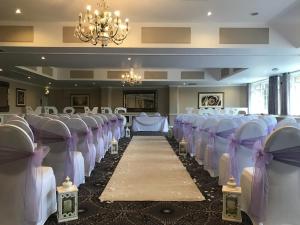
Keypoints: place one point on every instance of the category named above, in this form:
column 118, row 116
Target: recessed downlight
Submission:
column 18, row 11
column 129, row 58
column 49, row 83
column 43, row 58
column 75, row 85
column 29, row 77
column 209, row 13
column 254, row 14
column 1, row 69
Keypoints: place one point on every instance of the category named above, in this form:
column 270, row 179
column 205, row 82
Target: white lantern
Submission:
column 183, row 147
column 232, row 202
column 67, row 200
column 127, row 133
column 170, row 132
column 114, row 146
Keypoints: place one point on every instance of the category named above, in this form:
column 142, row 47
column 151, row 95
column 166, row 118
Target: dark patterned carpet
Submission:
column 94, row 212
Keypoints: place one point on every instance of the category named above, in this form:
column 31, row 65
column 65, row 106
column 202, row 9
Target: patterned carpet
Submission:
column 94, row 212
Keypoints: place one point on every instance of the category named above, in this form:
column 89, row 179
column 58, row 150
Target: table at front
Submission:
column 150, row 123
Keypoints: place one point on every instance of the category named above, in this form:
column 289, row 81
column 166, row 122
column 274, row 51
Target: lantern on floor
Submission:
column 114, row 146
column 127, row 132
column 183, row 147
column 170, row 132
column 231, row 202
column 67, row 200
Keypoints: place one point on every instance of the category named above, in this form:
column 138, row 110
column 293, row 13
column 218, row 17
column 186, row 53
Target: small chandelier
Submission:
column 101, row 26
column 131, row 78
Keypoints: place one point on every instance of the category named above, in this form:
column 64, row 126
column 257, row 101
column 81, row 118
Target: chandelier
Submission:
column 131, row 78
column 101, row 26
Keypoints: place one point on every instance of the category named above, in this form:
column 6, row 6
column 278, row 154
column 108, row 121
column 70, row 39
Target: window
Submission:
column 294, row 94
column 258, row 97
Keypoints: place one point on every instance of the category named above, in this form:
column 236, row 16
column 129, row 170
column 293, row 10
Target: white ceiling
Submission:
column 236, row 11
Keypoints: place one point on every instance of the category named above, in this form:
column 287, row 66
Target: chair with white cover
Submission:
column 122, row 123
column 157, row 114
column 279, row 166
column 63, row 118
column 101, row 143
column 93, row 111
column 197, row 134
column 62, row 157
column 15, row 117
column 52, row 116
column 241, row 150
column 105, row 128
column 143, row 114
column 270, row 121
column 218, row 144
column 85, row 144
column 204, row 135
column 76, row 116
column 96, row 131
column 287, row 122
column 23, row 126
column 28, row 190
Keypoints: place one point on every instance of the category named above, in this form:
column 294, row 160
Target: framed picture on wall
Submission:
column 211, row 100
column 20, row 97
column 80, row 100
column 4, row 86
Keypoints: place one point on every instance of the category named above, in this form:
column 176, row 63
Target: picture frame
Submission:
column 211, row 100
column 140, row 100
column 4, row 89
column 20, row 97
column 80, row 100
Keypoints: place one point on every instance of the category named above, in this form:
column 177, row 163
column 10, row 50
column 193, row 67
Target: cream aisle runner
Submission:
column 150, row 171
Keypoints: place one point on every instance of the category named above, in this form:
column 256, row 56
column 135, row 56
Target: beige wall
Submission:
column 62, row 97
column 234, row 96
column 33, row 96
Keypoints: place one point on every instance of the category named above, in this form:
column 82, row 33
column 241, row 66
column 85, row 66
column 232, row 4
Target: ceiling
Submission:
column 259, row 61
column 236, row 11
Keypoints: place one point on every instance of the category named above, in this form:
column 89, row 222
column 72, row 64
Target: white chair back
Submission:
column 69, row 110
column 23, row 126
column 15, row 117
column 50, row 110
column 106, row 110
column 287, row 122
column 284, row 193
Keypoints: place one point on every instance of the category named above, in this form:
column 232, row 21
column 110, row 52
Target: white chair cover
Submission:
column 101, row 143
column 244, row 156
column 120, row 110
column 23, row 126
column 93, row 125
column 106, row 110
column 15, row 117
column 56, row 158
column 13, row 174
column 88, row 150
column 221, row 145
column 207, row 125
column 284, row 193
column 287, row 122
column 105, row 127
column 50, row 110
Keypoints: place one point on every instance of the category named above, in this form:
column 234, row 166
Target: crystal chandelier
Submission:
column 101, row 26
column 131, row 78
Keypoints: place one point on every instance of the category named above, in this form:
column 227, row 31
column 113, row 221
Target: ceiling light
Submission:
column 209, row 13
column 49, row 83
column 18, row 11
column 254, row 14
column 76, row 85
column 28, row 77
column 129, row 59
column 131, row 78
column 1, row 69
column 101, row 26
column 43, row 58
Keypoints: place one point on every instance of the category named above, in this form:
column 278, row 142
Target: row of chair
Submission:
column 228, row 146
column 38, row 152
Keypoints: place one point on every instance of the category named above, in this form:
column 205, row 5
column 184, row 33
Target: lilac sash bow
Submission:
column 47, row 137
column 32, row 192
column 234, row 144
column 212, row 158
column 260, row 184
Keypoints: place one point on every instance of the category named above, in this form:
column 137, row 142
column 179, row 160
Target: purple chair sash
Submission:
column 32, row 192
column 47, row 137
column 260, row 184
column 249, row 143
column 212, row 157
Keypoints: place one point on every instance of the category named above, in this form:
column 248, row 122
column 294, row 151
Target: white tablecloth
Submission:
column 150, row 123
